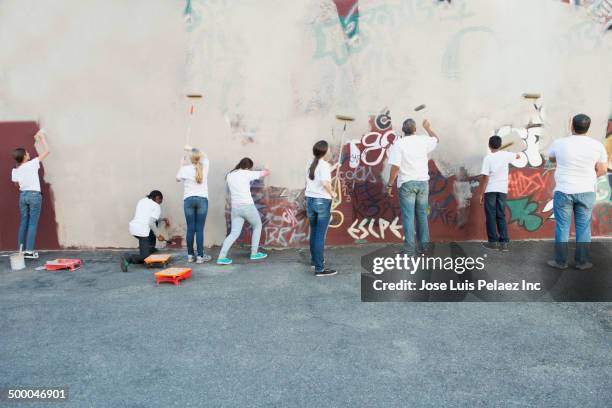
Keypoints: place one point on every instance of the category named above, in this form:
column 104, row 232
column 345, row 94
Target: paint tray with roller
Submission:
column 172, row 275
column 58, row 264
column 157, row 260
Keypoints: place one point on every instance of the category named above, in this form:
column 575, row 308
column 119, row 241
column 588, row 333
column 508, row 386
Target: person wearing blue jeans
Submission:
column 414, row 198
column 495, row 215
column 319, row 195
column 30, row 203
column 25, row 175
column 196, row 209
column 194, row 176
column 581, row 206
column 494, row 180
column 318, row 211
column 580, row 160
column 408, row 158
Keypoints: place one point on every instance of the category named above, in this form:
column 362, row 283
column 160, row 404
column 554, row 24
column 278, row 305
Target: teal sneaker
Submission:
column 224, row 261
column 124, row 264
column 259, row 255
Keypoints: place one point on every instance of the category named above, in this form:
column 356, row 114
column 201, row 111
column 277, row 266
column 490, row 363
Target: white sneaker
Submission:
column 202, row 259
column 190, row 258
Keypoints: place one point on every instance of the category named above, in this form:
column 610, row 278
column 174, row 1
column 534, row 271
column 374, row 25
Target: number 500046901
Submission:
column 34, row 394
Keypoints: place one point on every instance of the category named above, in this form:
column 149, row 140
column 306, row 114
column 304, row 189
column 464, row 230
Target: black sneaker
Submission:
column 504, row 247
column 124, row 264
column 490, row 245
column 30, row 254
column 326, row 272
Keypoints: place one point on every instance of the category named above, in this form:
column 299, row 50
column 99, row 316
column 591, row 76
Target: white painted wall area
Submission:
column 107, row 79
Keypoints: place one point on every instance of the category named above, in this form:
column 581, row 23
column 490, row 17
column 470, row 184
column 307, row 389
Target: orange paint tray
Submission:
column 156, row 259
column 57, row 264
column 173, row 275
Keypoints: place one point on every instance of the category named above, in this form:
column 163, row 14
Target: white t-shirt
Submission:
column 410, row 154
column 495, row 166
column 314, row 188
column 576, row 158
column 145, row 210
column 27, row 175
column 187, row 175
column 239, row 183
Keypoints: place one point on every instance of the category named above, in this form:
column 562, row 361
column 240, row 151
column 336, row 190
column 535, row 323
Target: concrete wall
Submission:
column 107, row 80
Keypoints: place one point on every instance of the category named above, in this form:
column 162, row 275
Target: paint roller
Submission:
column 192, row 98
column 532, row 95
column 345, row 118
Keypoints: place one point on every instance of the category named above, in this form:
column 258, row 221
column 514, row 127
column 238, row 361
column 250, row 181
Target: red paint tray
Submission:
column 57, row 264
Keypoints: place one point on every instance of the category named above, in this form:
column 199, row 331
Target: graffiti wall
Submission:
column 110, row 80
column 365, row 214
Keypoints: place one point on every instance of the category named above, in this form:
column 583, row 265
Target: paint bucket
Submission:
column 17, row 261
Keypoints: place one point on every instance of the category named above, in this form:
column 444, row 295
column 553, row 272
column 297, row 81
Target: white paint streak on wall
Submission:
column 107, row 77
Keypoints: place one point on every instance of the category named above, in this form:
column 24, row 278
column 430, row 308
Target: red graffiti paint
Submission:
column 13, row 135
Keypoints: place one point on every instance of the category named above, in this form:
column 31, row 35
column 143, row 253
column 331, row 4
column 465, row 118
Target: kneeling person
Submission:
column 144, row 228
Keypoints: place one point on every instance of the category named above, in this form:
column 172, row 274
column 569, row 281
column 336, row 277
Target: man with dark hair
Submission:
column 408, row 160
column 495, row 189
column 144, row 228
column 580, row 160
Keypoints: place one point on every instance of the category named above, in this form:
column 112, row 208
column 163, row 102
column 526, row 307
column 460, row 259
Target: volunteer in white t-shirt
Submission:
column 580, row 160
column 25, row 175
column 408, row 158
column 495, row 190
column 144, row 228
column 243, row 209
column 195, row 202
column 319, row 195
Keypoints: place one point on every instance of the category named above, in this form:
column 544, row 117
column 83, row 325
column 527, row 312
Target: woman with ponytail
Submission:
column 319, row 196
column 243, row 209
column 194, row 176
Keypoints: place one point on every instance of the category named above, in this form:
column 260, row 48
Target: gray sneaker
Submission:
column 504, row 247
column 490, row 245
column 552, row 263
column 584, row 266
column 202, row 259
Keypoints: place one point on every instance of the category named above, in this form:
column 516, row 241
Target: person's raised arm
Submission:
column 40, row 137
column 430, row 132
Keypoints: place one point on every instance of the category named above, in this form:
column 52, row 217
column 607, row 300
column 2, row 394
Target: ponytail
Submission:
column 319, row 150
column 313, row 167
column 196, row 158
column 199, row 176
column 244, row 164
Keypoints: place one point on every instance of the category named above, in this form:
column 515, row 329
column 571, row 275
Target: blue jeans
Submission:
column 495, row 214
column 414, row 199
column 30, row 203
column 196, row 209
column 581, row 205
column 318, row 211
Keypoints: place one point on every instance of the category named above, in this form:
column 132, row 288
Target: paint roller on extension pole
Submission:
column 192, row 97
column 336, row 180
